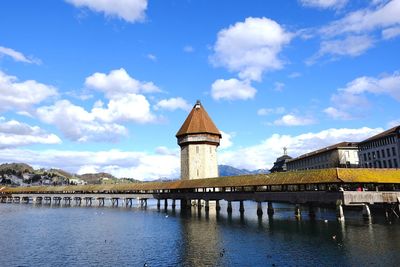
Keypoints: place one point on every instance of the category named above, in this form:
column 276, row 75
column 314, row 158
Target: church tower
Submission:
column 198, row 138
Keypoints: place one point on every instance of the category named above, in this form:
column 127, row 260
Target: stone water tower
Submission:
column 198, row 138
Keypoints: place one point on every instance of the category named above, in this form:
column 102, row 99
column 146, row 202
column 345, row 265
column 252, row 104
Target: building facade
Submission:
column 199, row 139
column 381, row 150
column 340, row 155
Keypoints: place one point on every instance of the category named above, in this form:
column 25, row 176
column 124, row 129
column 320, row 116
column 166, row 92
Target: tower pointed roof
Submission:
column 198, row 121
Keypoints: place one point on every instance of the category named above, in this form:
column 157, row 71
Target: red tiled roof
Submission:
column 198, row 121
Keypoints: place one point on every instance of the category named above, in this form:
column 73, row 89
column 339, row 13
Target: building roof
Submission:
column 391, row 131
column 198, row 121
column 322, row 176
column 328, row 148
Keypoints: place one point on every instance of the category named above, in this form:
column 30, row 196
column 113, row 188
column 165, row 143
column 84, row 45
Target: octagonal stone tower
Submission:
column 198, row 138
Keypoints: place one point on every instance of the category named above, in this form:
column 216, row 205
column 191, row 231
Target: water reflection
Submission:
column 91, row 236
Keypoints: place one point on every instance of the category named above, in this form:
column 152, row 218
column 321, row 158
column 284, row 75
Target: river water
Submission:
column 33, row 235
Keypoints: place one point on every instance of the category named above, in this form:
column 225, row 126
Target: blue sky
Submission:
column 93, row 85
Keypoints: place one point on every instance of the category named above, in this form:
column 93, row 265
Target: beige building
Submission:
column 198, row 138
column 381, row 150
column 341, row 155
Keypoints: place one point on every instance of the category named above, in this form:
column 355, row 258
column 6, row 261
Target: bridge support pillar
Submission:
column 217, row 205
column 270, row 209
column 366, row 212
column 101, row 202
column 297, row 212
column 339, row 211
column 165, row 204
column 78, row 201
column 259, row 209
column 158, row 203
column 207, row 205
column 229, row 209
column 173, row 203
column 199, row 204
column 241, row 206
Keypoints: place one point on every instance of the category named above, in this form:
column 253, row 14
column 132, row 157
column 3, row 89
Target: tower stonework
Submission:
column 198, row 138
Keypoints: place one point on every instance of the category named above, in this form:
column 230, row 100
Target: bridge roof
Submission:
column 198, row 121
column 323, row 176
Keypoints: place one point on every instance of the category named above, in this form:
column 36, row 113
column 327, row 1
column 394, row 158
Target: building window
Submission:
column 384, row 164
column 365, row 157
column 395, row 163
column 365, row 165
column 390, row 163
column 393, row 151
column 379, row 164
column 388, row 152
column 383, row 153
column 378, row 154
column 197, row 149
column 369, row 156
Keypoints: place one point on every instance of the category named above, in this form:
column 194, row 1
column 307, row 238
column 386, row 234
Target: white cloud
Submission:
column 293, row 120
column 350, row 46
column 77, row 124
column 14, row 133
column 117, row 83
column 324, row 3
column 337, row 114
column 128, row 10
column 22, row 95
column 263, row 155
column 278, row 86
column 268, row 111
column 390, row 33
column 366, row 20
column 232, row 89
column 226, row 140
column 353, row 97
column 152, row 57
column 130, row 107
column 17, row 56
column 294, row 75
column 188, row 49
column 173, row 104
column 138, row 165
column 251, row 47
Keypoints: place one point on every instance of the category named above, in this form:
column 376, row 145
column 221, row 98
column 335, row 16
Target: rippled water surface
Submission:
column 89, row 236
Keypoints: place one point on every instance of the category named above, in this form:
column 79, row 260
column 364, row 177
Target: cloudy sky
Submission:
column 94, row 85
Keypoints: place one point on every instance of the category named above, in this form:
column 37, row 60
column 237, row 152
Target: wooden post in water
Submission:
column 297, row 212
column 217, row 206
column 270, row 209
column 158, row 203
column 259, row 209
column 241, row 207
column 339, row 211
column 366, row 212
column 229, row 209
column 207, row 205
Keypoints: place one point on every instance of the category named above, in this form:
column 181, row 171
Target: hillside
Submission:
column 226, row 170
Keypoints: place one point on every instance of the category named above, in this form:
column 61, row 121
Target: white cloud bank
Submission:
column 17, row 56
column 172, row 104
column 263, row 155
column 118, row 83
column 128, row 10
column 324, row 4
column 15, row 95
column 232, row 89
column 351, row 100
column 14, row 134
column 138, row 165
column 251, row 47
column 293, row 120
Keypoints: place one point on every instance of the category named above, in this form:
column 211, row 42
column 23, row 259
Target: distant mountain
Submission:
column 226, row 170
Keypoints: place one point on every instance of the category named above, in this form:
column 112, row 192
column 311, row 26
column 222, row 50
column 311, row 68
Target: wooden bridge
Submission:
column 327, row 187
